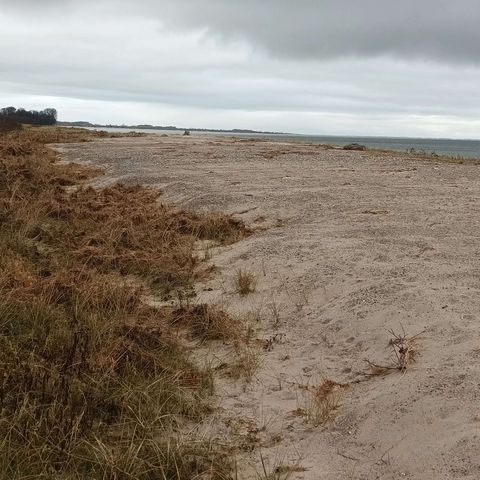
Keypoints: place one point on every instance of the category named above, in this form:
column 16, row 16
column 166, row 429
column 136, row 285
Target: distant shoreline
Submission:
column 170, row 127
column 456, row 149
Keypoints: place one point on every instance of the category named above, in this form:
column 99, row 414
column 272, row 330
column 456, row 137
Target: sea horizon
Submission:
column 457, row 148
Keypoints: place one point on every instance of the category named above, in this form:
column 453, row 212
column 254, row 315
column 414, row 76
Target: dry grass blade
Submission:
column 404, row 352
column 405, row 348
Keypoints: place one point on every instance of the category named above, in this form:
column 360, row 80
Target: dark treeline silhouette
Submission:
column 31, row 117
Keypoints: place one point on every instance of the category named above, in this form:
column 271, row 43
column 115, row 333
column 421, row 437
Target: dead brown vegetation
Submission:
column 404, row 353
column 321, row 401
column 207, row 322
column 9, row 125
column 245, row 282
column 94, row 382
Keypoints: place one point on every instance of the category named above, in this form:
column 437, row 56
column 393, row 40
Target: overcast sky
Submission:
column 361, row 67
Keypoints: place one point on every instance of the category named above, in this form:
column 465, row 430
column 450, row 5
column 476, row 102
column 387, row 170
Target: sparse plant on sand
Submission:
column 246, row 365
column 274, row 308
column 245, row 282
column 404, row 352
column 322, row 401
column 277, row 468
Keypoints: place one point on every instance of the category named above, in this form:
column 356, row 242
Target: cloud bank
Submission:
column 370, row 67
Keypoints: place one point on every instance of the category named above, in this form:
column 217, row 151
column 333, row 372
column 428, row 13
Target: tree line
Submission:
column 31, row 117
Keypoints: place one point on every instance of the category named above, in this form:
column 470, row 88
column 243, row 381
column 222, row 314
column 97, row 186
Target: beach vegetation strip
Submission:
column 94, row 382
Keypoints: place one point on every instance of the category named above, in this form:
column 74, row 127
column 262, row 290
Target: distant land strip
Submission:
column 158, row 127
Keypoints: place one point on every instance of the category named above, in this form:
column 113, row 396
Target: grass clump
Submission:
column 322, row 401
column 245, row 282
column 94, row 383
column 405, row 350
column 207, row 322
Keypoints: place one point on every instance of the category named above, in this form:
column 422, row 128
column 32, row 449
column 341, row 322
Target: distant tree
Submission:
column 51, row 114
column 31, row 117
column 8, row 111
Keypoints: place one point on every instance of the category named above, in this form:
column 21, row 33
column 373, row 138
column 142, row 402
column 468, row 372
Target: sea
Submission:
column 440, row 146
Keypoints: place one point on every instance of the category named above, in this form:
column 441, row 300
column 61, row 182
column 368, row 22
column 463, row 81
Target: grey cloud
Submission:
column 427, row 29
column 443, row 30
column 270, row 59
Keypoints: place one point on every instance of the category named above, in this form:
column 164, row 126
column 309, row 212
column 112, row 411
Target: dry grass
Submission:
column 322, row 401
column 9, row 125
column 274, row 308
column 247, row 364
column 404, row 353
column 277, row 469
column 245, row 282
column 95, row 383
column 207, row 322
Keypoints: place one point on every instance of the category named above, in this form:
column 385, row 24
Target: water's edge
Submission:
column 452, row 148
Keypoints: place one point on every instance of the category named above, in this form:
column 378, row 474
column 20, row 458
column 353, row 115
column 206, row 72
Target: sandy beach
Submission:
column 348, row 247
